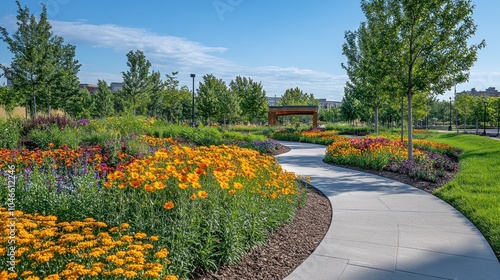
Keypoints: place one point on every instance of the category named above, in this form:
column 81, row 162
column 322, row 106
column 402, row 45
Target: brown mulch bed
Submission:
column 429, row 187
column 287, row 248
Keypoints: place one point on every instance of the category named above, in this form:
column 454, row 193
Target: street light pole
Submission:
column 192, row 108
column 449, row 127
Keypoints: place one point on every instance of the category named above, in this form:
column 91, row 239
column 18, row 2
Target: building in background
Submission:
column 326, row 104
column 90, row 87
column 116, row 86
column 273, row 101
column 491, row 92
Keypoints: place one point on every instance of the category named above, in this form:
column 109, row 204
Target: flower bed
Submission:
column 207, row 205
column 430, row 161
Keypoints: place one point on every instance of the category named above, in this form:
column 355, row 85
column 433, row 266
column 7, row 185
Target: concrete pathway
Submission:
column 382, row 229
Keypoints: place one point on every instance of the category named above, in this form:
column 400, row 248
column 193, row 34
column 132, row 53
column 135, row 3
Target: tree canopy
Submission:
column 43, row 69
column 424, row 48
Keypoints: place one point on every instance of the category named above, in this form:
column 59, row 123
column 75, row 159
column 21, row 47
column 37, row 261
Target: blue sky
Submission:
column 281, row 43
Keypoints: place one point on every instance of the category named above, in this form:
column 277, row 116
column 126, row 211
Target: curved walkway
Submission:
column 383, row 229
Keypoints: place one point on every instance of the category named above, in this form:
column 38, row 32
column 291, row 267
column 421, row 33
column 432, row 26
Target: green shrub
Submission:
column 244, row 137
column 10, row 133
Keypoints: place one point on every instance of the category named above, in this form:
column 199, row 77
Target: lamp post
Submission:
column 192, row 108
column 449, row 127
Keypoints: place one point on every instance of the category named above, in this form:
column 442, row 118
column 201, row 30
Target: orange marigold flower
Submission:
column 231, row 192
column 238, row 185
column 163, row 253
column 135, row 183
column 170, row 277
column 169, row 205
column 154, row 238
column 203, row 194
column 159, row 185
column 149, row 188
column 193, row 196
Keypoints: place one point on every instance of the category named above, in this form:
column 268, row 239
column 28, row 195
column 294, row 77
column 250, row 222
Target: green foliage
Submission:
column 252, row 98
column 42, row 138
column 296, row 97
column 350, row 107
column 229, row 105
column 103, row 104
column 207, row 102
column 425, row 46
column 9, row 99
column 10, row 133
column 243, row 136
column 347, row 129
column 137, row 82
column 42, row 67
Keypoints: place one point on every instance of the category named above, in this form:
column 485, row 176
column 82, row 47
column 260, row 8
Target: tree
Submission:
column 229, row 107
column 176, row 103
column 464, row 106
column 427, row 44
column 156, row 93
column 40, row 61
column 8, row 99
column 367, row 64
column 296, row 97
column 495, row 106
column 103, row 104
column 80, row 105
column 208, row 92
column 350, row 106
column 137, row 82
column 252, row 98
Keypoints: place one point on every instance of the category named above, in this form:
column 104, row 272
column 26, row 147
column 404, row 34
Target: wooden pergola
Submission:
column 275, row 111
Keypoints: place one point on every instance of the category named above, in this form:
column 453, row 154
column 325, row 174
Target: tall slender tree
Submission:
column 41, row 61
column 103, row 104
column 207, row 102
column 427, row 44
column 137, row 82
column 252, row 98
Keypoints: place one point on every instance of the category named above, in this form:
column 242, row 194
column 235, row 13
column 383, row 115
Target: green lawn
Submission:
column 475, row 191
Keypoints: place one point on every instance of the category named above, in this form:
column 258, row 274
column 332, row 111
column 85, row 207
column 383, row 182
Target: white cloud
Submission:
column 168, row 53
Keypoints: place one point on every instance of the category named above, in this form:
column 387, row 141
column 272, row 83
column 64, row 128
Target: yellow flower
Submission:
column 124, row 226
column 154, row 238
column 231, row 192
column 238, row 185
column 163, row 253
column 140, row 235
column 51, row 277
column 203, row 194
column 170, row 277
column 130, row 274
column 169, row 205
column 159, row 185
column 193, row 196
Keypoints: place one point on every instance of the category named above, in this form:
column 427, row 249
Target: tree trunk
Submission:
column 376, row 120
column 402, row 119
column 465, row 123
column 477, row 125
column 410, row 127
